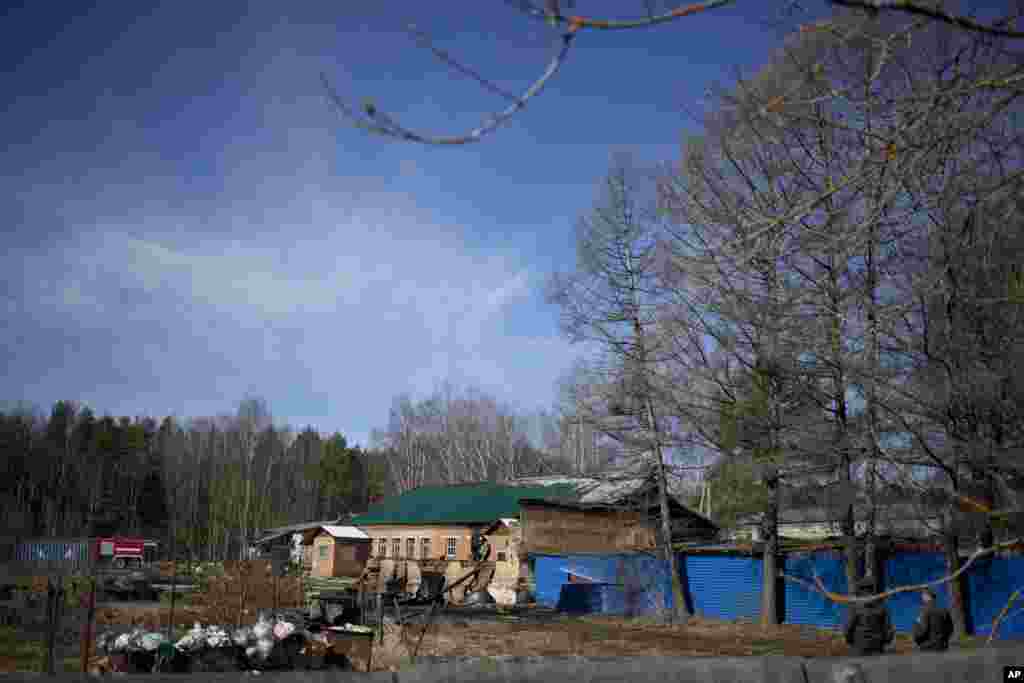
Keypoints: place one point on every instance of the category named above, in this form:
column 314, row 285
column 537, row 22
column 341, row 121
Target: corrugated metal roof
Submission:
column 480, row 503
column 345, row 532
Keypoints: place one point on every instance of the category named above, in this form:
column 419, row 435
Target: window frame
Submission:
column 451, row 547
column 425, row 548
column 382, row 548
column 396, row 548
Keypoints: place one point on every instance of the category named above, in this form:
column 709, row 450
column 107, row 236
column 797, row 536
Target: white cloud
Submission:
column 337, row 311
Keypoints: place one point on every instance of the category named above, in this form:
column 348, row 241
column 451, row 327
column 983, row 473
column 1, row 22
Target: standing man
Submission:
column 934, row 626
column 868, row 627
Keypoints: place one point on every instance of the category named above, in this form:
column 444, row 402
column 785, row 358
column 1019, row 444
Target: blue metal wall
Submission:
column 73, row 554
column 592, row 598
column 806, row 606
column 725, row 586
column 905, row 569
column 989, row 585
column 729, row 587
column 643, row 581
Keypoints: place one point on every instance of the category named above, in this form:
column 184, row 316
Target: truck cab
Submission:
column 122, row 569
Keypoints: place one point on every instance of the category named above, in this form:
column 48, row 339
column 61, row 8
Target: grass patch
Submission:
column 18, row 653
column 180, row 599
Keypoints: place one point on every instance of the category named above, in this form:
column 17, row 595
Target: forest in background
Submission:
column 216, row 482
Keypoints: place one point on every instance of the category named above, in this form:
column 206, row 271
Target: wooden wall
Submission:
column 561, row 531
column 344, row 557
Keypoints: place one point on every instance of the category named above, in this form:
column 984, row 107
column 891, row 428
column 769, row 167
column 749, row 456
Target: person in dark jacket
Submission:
column 934, row 626
column 868, row 627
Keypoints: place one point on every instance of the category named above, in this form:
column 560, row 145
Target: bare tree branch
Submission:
column 375, row 121
column 553, row 14
column 931, row 12
column 1002, row 615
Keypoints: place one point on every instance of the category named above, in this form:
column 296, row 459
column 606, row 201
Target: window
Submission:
column 425, row 548
column 410, row 548
column 452, row 547
column 502, row 556
column 323, row 552
column 396, row 548
column 382, row 548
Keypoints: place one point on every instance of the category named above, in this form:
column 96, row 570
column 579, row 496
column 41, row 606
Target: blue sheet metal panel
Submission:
column 990, row 584
column 725, row 586
column 592, row 598
column 905, row 569
column 74, row 554
column 806, row 606
column 547, row 578
column 551, row 572
column 644, row 580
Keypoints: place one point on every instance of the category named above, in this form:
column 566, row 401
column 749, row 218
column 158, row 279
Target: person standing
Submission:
column 868, row 627
column 934, row 626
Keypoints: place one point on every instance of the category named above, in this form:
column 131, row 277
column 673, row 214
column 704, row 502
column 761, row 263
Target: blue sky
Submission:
column 186, row 221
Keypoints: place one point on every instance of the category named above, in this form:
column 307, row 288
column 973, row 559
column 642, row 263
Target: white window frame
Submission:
column 410, row 548
column 451, row 547
column 396, row 548
column 382, row 548
column 425, row 548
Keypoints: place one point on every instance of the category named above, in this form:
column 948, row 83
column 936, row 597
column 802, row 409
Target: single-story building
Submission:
column 291, row 536
column 337, row 551
column 433, row 526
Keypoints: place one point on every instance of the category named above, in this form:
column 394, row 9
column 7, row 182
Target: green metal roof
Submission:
column 459, row 504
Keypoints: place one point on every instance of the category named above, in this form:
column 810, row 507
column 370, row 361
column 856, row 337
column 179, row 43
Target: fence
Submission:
column 728, row 586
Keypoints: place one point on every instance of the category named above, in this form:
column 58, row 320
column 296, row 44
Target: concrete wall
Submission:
column 956, row 667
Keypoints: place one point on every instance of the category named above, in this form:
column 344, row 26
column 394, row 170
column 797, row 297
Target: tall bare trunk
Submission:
column 951, row 547
column 769, row 584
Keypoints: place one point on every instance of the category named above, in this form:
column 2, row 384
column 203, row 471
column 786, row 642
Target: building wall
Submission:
column 323, row 555
column 560, row 531
column 501, row 580
column 333, row 557
column 436, row 535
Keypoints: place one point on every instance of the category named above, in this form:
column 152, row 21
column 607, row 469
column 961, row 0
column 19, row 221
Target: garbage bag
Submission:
column 262, row 628
column 283, row 629
column 150, row 642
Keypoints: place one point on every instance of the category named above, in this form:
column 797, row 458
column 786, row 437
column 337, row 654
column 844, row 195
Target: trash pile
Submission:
column 272, row 643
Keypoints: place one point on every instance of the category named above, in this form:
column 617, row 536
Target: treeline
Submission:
column 464, row 434
column 214, row 482
column 829, row 285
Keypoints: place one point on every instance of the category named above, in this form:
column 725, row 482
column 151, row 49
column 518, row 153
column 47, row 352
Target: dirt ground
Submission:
column 492, row 635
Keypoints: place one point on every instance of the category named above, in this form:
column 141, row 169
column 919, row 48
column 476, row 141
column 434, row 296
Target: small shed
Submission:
column 338, row 551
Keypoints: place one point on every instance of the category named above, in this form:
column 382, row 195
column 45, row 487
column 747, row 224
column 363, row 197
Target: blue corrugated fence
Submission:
column 728, row 587
column 808, row 607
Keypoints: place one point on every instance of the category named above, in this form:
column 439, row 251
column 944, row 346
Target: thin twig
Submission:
column 375, row 121
column 626, row 24
column 1002, row 615
column 931, row 12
